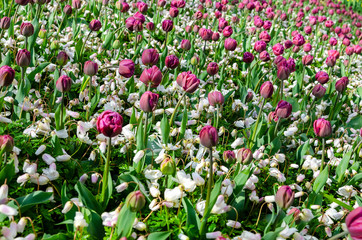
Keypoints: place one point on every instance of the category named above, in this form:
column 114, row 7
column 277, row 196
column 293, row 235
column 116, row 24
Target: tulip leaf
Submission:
column 59, row 236
column 359, row 200
column 87, row 198
column 355, row 122
column 71, row 213
column 356, row 178
column 340, row 203
column 214, row 195
column 183, row 123
column 95, row 100
column 8, row 172
column 158, row 236
column 302, row 151
column 107, row 41
column 165, row 129
column 59, row 125
column 193, row 221
column 321, row 180
column 38, row 69
column 7, row 60
column 125, row 222
column 94, row 221
column 342, row 166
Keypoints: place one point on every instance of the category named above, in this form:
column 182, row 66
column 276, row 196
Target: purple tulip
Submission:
column 6, row 143
column 284, row 197
column 27, row 29
column 90, row 68
column 322, row 77
column 248, row 57
column 212, row 68
column 260, row 46
column 126, row 68
column 215, row 98
column 23, row 58
column 185, row 44
column 188, row 81
column 151, row 76
column 354, row 223
column 341, row 84
column 172, row 61
column 230, row 44
column 318, row 91
column 109, row 123
column 62, row 58
column 63, row 84
column 284, row 109
column 209, row 137
column 150, row 57
column 307, row 60
column 148, row 102
column 266, row 90
column 95, row 25
column 5, row 23
column 322, row 128
column 7, row 75
column 167, row 25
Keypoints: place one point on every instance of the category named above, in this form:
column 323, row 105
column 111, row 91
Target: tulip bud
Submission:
column 95, row 25
column 229, row 156
column 284, row 197
column 188, row 81
column 22, row 2
column 90, row 68
column 76, row 4
column 353, row 222
column 174, row 12
column 64, row 83
column 249, row 97
column 6, row 143
column 67, row 10
column 215, row 36
column 248, row 57
column 26, row 29
column 150, row 26
column 230, row 44
column 322, row 77
column 215, row 98
column 331, row 61
column 126, row 68
column 167, row 25
column 151, row 76
column 7, row 75
column 322, row 128
column 278, row 49
column 62, row 58
column 185, row 44
column 212, row 68
column 195, row 61
column 148, row 102
column 298, row 40
column 116, row 44
column 23, row 58
column 208, row 136
column 283, row 70
column 109, row 123
column 54, row 45
column 283, row 110
column 264, row 56
column 295, row 212
column 168, row 166
column 42, row 33
column 318, row 91
column 150, row 57
column 5, row 23
column 260, row 46
column 341, row 84
column 172, row 61
column 266, row 89
column 205, row 34
column 135, row 201
column 244, row 156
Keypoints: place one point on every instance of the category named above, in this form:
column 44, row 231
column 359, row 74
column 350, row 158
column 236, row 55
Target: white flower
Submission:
column 122, row 187
column 79, row 221
column 172, row 195
column 233, row 224
column 213, row 235
column 248, row 236
column 48, row 159
column 306, row 215
column 346, row 191
column 7, row 210
column 186, row 181
column 287, row 232
column 152, row 174
column 40, row 150
column 138, row 156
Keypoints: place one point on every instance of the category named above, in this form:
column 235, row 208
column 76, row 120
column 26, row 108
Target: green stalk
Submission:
column 106, row 171
column 177, row 106
column 338, row 236
column 323, row 148
column 281, row 89
column 334, row 106
column 61, row 112
column 146, row 126
column 217, row 115
column 89, row 96
column 209, row 186
column 22, row 77
column 276, row 127
column 81, row 51
column 257, row 123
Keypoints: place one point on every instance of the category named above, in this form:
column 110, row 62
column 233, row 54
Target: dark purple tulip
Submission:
column 341, row 84
column 283, row 70
column 212, row 68
column 307, row 47
column 230, row 44
column 67, row 10
column 248, row 57
column 167, row 25
column 322, row 77
column 331, row 61
column 229, row 156
column 151, row 76
column 174, row 12
column 209, row 137
column 126, row 68
column 62, row 58
column 109, row 123
column 288, row 44
column 228, row 31
column 95, row 25
column 5, row 23
column 318, row 91
column 260, row 46
column 23, row 58
column 284, row 109
column 349, row 51
column 264, row 36
column 215, row 36
column 185, row 44
column 148, row 101
column 333, row 41
column 22, row 2
column 266, row 89
column 63, row 84
column 172, row 61
column 150, row 57
column 205, row 34
column 150, row 26
column 298, row 40
column 142, row 7
column 76, row 4
column 278, row 49
column 27, row 29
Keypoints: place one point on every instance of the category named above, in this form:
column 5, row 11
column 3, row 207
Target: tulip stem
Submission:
column 106, row 171
column 276, row 127
column 22, row 77
column 61, row 112
column 89, row 96
column 146, row 127
column 323, row 150
column 217, row 115
column 338, row 236
column 208, row 194
column 84, row 43
column 331, row 114
column 177, row 106
column 311, row 106
column 257, row 123
column 281, row 89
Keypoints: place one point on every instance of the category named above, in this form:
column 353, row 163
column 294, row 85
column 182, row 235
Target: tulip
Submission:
column 27, row 29
column 322, row 77
column 172, row 61
column 284, row 197
column 90, row 68
column 7, row 75
column 23, row 58
column 150, row 26
column 67, row 10
column 244, row 156
column 185, row 44
column 264, row 36
column 212, row 68
column 95, row 25
column 249, row 97
column 151, row 77
column 174, row 12
column 62, row 58
column 135, row 201
column 167, row 25
column 322, row 128
column 266, row 89
column 283, row 110
column 188, row 81
column 260, row 46
column 248, row 57
column 354, row 223
column 5, row 23
column 341, row 84
column 64, row 84
column 331, row 61
column 76, row 4
column 229, row 156
column 283, row 70
column 288, row 44
column 307, row 60
column 6, row 143
column 109, row 123
column 227, row 31
column 209, row 137
column 278, row 49
column 126, row 68
column 148, row 101
column 150, row 57
column 205, row 34
column 168, row 166
column 264, row 56
column 298, row 40
column 22, row 2
column 230, row 44
column 318, row 91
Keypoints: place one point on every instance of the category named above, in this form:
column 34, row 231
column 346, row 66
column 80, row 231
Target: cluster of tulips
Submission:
column 180, row 119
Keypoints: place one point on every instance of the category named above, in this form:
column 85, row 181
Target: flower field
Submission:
column 180, row 119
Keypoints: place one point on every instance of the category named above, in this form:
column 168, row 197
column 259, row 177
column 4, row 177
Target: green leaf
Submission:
column 71, row 213
column 214, row 195
column 158, row 236
column 38, row 69
column 342, row 166
column 94, row 220
column 139, row 136
column 125, row 222
column 340, row 203
column 108, row 40
column 359, row 200
column 193, row 221
column 130, row 178
column 321, row 180
column 240, row 180
column 302, row 151
column 57, row 148
column 165, row 129
column 183, row 123
column 95, row 100
column 58, row 124
column 87, row 198
column 355, row 122
column 356, row 179
column 133, row 119
column 8, row 172
column 7, row 59
column 59, row 236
